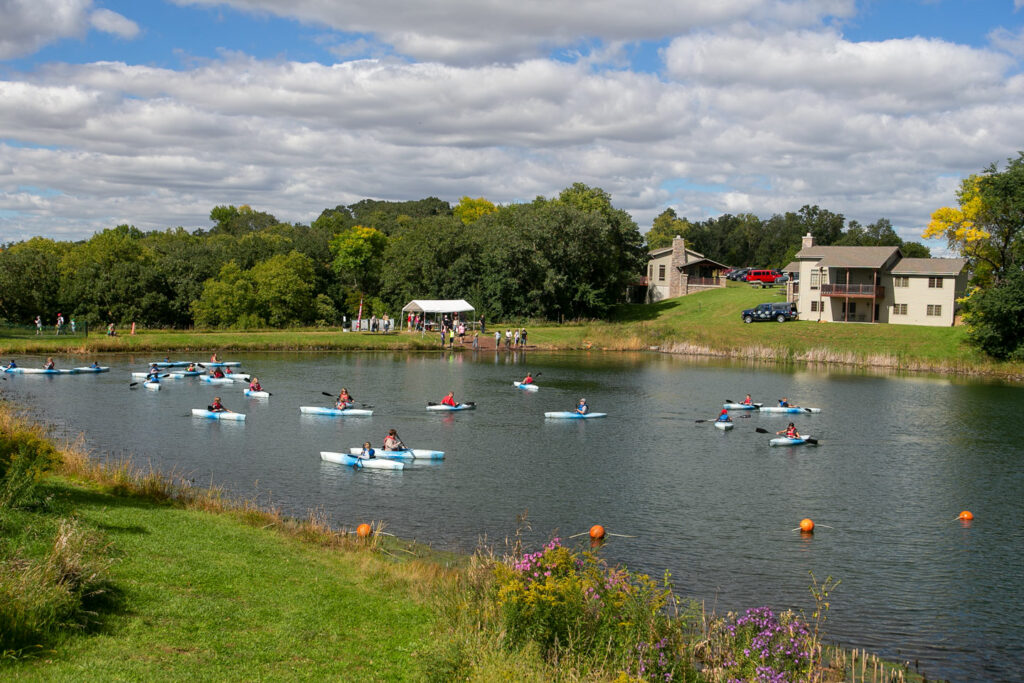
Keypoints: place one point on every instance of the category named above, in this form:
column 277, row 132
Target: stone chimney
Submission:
column 808, row 241
column 678, row 251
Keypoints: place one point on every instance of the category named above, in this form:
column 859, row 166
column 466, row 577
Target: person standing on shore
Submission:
column 39, row 324
column 483, row 329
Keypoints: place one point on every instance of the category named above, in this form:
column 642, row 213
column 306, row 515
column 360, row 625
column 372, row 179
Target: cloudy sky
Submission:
column 151, row 113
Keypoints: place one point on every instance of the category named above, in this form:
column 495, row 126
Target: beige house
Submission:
column 876, row 285
column 677, row 271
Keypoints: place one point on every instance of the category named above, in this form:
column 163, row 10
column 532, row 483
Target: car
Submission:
column 779, row 311
column 737, row 274
column 764, row 275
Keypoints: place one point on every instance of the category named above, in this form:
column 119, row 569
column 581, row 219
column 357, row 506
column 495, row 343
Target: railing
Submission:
column 706, row 281
column 853, row 290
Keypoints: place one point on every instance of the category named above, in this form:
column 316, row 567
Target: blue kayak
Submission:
column 571, row 415
column 786, row 441
column 460, row 406
column 40, row 371
column 319, row 410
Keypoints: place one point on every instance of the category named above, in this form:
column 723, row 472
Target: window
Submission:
column 934, row 309
column 814, row 307
column 814, row 279
column 853, row 307
column 935, row 283
column 901, row 281
column 661, row 272
column 899, row 309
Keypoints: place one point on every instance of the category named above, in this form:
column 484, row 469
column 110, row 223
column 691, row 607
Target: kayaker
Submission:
column 528, row 379
column 392, row 442
column 153, row 368
column 154, row 374
column 582, row 408
column 367, row 452
column 95, row 365
column 11, row 365
column 724, row 416
column 254, row 385
column 49, row 364
column 784, row 403
column 218, row 373
column 217, row 406
column 449, row 400
column 748, row 401
column 215, row 358
column 345, row 400
column 191, row 367
column 790, row 432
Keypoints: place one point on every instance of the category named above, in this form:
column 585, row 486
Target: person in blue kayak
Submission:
column 49, row 364
column 528, row 379
column 748, row 401
column 724, row 416
column 218, row 373
column 790, row 432
column 191, row 367
column 449, row 400
column 582, row 408
column 392, row 442
column 784, row 403
column 95, row 365
column 217, row 406
column 367, row 452
column 254, row 385
column 154, row 374
column 345, row 400
column 11, row 365
column 154, row 369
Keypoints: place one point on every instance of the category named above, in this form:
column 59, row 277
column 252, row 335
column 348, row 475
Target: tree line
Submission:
column 568, row 257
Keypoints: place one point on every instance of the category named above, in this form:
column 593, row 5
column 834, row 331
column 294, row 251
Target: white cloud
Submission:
column 481, row 31
column 29, row 24
column 1008, row 41
column 112, row 22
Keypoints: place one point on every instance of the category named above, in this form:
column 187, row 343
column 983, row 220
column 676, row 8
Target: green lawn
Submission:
column 206, row 597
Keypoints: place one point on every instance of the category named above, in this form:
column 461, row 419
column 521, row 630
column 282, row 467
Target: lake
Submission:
column 899, row 458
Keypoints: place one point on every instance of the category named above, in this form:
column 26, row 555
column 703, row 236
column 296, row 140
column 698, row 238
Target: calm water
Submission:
column 900, row 457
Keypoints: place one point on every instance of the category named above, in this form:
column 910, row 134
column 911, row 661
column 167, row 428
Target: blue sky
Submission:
column 152, row 113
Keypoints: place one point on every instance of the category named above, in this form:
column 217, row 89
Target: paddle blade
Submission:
column 760, row 430
column 431, row 403
column 130, row 386
column 469, row 403
column 700, row 420
column 729, row 400
column 326, row 394
column 813, row 442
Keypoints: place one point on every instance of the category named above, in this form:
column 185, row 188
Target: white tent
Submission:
column 436, row 307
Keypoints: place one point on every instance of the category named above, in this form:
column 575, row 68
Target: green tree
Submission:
column 987, row 228
column 238, row 221
column 228, row 300
column 284, row 289
column 358, row 254
column 30, row 280
column 470, row 210
column 665, row 227
column 995, row 317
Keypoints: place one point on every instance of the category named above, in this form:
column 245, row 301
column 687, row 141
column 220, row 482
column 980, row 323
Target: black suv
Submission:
column 780, row 312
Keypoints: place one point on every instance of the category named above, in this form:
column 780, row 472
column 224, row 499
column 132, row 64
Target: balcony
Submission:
column 854, row 291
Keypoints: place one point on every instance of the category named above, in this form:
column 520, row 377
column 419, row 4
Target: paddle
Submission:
column 813, row 442
column 364, row 405
column 729, row 420
column 130, row 386
column 535, row 376
column 729, row 400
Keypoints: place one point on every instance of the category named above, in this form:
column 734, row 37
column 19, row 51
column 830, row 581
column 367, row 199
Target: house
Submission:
column 876, row 285
column 676, row 271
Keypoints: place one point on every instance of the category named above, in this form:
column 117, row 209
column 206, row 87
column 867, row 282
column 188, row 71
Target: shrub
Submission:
column 24, row 457
column 759, row 646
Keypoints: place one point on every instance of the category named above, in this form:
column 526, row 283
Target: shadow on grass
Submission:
column 631, row 313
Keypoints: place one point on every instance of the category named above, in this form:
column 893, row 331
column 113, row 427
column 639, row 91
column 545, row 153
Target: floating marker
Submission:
column 966, row 515
column 597, row 532
column 363, row 530
column 807, row 525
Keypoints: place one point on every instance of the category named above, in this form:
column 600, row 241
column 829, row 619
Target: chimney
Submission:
column 678, row 250
column 808, row 241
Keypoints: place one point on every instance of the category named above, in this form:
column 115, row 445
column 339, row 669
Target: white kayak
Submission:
column 404, row 454
column 570, row 415
column 40, row 371
column 221, row 364
column 353, row 461
column 163, row 375
column 786, row 441
column 89, row 368
column 172, row 363
column 723, row 425
column 199, row 412
column 318, row 410
column 526, row 387
column 257, row 394
column 217, row 380
column 742, row 406
column 155, row 386
column 790, row 409
column 460, row 406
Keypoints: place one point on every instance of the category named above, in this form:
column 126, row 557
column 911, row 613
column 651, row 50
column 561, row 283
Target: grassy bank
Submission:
column 112, row 572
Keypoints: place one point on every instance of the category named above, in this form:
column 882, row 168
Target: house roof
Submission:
column 929, row 266
column 848, row 257
column 793, row 267
column 691, row 255
column 702, row 259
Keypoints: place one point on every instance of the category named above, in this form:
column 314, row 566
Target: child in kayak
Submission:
column 154, row 374
column 191, row 367
column 49, row 364
column 724, row 416
column 254, row 385
column 367, row 452
column 218, row 373
column 528, row 379
column 392, row 442
column 11, row 365
column 784, row 403
column 345, row 400
column 215, row 358
column 582, row 408
column 217, row 406
column 95, row 365
column 449, row 400
column 790, row 432
column 748, row 401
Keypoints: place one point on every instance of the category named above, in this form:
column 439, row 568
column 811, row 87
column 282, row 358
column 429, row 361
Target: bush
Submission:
column 995, row 318
column 24, row 458
column 759, row 646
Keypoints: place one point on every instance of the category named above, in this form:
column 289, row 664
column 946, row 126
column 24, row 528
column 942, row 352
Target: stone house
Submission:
column 677, row 271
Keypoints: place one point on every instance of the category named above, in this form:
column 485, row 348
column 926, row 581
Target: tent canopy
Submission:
column 438, row 306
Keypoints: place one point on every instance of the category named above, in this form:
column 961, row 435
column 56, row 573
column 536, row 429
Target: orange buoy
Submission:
column 597, row 532
column 966, row 515
column 807, row 525
column 363, row 530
